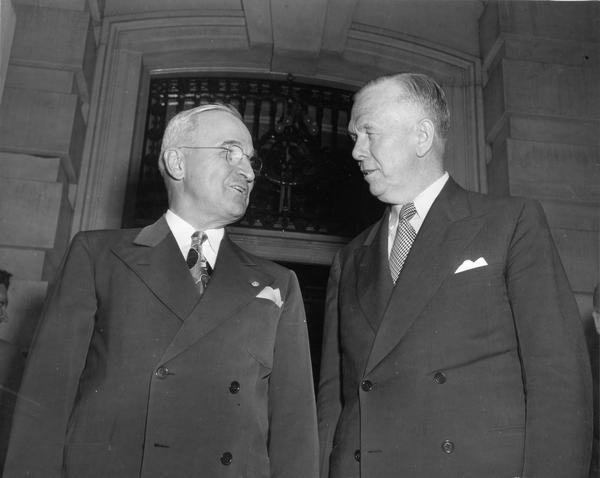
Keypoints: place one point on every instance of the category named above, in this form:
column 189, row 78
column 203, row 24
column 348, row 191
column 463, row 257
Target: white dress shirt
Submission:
column 422, row 204
column 182, row 230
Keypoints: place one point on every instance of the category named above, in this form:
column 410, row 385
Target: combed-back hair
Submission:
column 184, row 123
column 423, row 91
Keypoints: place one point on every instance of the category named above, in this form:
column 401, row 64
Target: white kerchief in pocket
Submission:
column 469, row 264
column 271, row 294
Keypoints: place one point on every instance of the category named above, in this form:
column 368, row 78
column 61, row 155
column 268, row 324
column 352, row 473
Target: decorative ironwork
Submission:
column 309, row 182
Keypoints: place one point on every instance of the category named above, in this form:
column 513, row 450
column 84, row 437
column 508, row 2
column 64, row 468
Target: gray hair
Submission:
column 420, row 90
column 184, row 123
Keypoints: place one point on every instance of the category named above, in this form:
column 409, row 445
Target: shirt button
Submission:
column 448, row 447
column 162, row 372
column 357, row 455
column 234, row 387
column 366, row 385
column 226, row 458
column 439, row 377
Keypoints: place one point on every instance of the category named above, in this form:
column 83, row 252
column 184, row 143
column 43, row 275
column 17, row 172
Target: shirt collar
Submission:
column 183, row 230
column 424, row 200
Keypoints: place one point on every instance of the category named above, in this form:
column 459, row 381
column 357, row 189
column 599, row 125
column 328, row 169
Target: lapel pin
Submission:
column 255, row 283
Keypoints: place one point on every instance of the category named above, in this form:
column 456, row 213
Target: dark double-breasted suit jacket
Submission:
column 131, row 373
column 474, row 374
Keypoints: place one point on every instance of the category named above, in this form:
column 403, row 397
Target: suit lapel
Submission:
column 155, row 257
column 441, row 240
column 236, row 280
column 373, row 280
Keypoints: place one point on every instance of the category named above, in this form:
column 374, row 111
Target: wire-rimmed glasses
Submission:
column 234, row 155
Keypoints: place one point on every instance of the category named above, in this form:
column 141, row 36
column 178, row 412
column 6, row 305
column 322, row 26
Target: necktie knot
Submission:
column 195, row 251
column 198, row 238
column 405, row 235
column 407, row 211
column 197, row 263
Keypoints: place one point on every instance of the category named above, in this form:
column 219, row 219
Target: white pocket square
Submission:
column 469, row 264
column 271, row 294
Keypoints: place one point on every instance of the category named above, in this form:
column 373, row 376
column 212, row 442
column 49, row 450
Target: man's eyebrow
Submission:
column 231, row 142
column 234, row 142
column 368, row 126
column 353, row 129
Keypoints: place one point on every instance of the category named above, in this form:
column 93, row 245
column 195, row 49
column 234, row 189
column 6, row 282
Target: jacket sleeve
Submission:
column 329, row 402
column 556, row 370
column 56, row 359
column 293, row 441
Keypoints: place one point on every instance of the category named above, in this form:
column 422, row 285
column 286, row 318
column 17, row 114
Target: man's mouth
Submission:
column 366, row 172
column 240, row 188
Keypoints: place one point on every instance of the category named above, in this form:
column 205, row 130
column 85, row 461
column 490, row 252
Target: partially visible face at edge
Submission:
column 3, row 303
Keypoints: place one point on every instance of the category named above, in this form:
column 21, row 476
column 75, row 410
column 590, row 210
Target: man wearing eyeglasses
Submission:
column 170, row 351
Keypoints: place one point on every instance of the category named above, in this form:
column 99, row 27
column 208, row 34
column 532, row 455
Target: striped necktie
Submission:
column 405, row 235
column 197, row 263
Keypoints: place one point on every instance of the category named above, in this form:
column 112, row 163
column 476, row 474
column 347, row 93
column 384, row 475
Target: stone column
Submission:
column 542, row 120
column 7, row 30
column 42, row 130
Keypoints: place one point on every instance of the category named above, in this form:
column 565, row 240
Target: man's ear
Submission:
column 174, row 164
column 425, row 136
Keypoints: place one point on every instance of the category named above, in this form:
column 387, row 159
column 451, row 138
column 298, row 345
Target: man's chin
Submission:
column 378, row 193
column 373, row 189
column 237, row 213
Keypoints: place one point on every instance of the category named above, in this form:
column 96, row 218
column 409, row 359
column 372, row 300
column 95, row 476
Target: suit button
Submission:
column 162, row 372
column 448, row 447
column 226, row 458
column 357, row 455
column 366, row 385
column 234, row 387
column 439, row 377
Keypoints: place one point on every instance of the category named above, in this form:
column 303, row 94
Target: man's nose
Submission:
column 245, row 169
column 359, row 151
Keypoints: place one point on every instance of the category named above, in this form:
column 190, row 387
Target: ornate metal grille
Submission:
column 309, row 182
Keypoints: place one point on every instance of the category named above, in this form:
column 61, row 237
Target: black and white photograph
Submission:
column 299, row 238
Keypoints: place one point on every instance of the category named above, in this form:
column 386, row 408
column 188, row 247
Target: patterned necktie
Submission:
column 197, row 263
column 405, row 235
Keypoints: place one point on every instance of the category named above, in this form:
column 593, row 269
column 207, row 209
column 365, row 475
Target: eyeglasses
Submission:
column 234, row 155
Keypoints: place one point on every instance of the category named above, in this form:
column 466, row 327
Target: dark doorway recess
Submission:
column 313, row 284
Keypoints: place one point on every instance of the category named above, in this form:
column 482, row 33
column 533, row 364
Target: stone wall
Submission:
column 542, row 120
column 43, row 118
